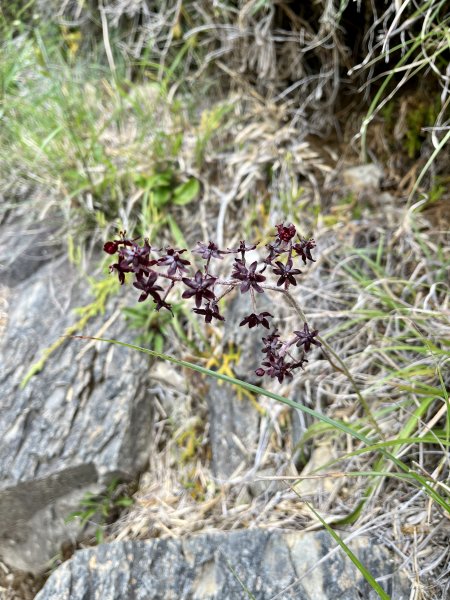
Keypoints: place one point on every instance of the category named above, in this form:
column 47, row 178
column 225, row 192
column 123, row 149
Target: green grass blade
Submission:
column 243, row 384
column 419, row 479
column 355, row 560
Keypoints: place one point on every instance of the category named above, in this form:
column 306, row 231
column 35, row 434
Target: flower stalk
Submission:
column 150, row 267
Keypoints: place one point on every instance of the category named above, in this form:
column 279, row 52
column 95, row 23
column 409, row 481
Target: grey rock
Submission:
column 233, row 429
column 248, row 341
column 84, row 419
column 260, row 485
column 233, row 418
column 224, row 566
column 363, row 178
column 28, row 250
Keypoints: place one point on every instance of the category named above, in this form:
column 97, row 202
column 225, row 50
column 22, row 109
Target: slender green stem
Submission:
column 421, row 481
column 343, row 367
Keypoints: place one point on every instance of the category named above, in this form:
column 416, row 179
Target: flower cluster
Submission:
column 276, row 364
column 151, row 268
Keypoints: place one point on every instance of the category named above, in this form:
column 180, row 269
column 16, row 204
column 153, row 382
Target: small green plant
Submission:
column 210, row 123
column 415, row 45
column 418, row 118
column 103, row 509
column 420, row 114
column 154, row 327
column 162, row 190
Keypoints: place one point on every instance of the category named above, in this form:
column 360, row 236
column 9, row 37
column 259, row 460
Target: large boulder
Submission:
column 233, row 417
column 255, row 564
column 83, row 420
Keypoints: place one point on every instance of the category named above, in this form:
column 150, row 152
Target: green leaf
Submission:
column 87, row 515
column 89, row 502
column 420, row 480
column 159, row 343
column 154, row 181
column 124, row 502
column 186, row 192
column 176, row 232
column 74, row 515
column 161, row 196
column 113, row 484
column 355, row 560
column 99, row 536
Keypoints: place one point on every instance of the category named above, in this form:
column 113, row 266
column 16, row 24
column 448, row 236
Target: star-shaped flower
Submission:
column 286, row 273
column 210, row 311
column 174, row 260
column 242, row 248
column 149, row 288
column 306, row 338
column 207, row 251
column 199, row 288
column 272, row 344
column 279, row 368
column 249, row 277
column 303, row 249
column 254, row 320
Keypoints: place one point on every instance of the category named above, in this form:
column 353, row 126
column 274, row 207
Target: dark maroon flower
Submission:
column 161, row 303
column 137, row 258
column 286, row 272
column 279, row 368
column 111, row 247
column 174, row 260
column 306, row 338
column 122, row 268
column 149, row 288
column 136, row 255
column 249, row 277
column 303, row 249
column 211, row 311
column 242, row 248
column 207, row 251
column 199, row 288
column 272, row 343
column 255, row 320
column 285, row 232
column 132, row 257
column 274, row 251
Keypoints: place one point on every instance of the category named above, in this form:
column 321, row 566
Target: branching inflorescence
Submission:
column 150, row 267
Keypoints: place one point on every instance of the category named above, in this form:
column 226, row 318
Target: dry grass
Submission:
column 390, row 325
column 378, row 292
